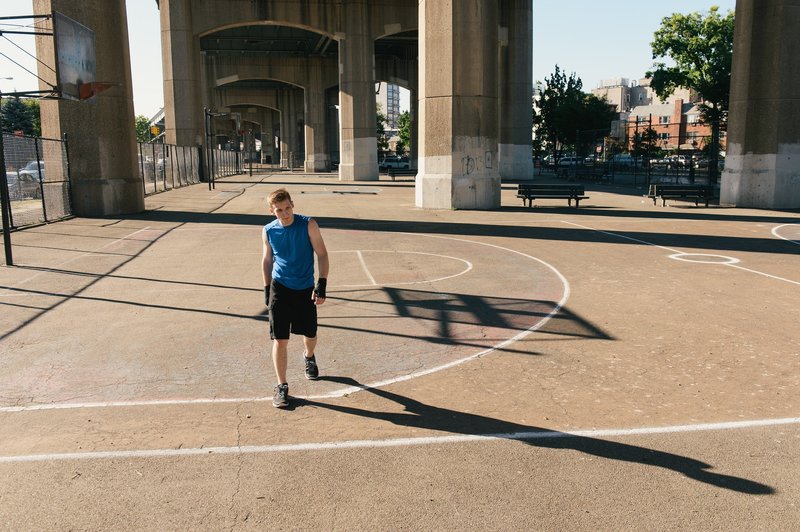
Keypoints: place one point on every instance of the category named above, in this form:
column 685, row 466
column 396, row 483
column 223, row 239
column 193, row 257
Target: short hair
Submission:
column 278, row 196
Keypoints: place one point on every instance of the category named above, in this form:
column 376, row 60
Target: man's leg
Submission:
column 279, row 359
column 312, row 371
column 310, row 344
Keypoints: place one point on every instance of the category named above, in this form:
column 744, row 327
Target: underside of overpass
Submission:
column 304, row 72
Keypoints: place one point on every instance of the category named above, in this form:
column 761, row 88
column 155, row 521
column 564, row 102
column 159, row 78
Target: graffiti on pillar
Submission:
column 487, row 160
column 467, row 165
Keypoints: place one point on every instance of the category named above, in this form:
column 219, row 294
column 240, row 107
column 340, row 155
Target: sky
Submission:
column 600, row 40
column 595, row 40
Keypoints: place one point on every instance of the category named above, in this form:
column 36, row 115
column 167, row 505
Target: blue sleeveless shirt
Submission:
column 292, row 253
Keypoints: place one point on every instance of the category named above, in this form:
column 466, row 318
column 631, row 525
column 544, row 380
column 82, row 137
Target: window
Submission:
column 692, row 119
column 663, row 120
column 663, row 136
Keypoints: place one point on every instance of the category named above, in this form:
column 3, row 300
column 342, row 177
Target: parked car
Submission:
column 393, row 161
column 675, row 161
column 622, row 160
column 703, row 163
column 570, row 161
column 34, row 169
column 22, row 187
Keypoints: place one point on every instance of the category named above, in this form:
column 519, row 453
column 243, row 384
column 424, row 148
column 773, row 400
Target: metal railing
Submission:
column 165, row 166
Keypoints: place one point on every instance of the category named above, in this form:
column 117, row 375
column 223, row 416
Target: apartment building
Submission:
column 626, row 95
column 388, row 100
column 677, row 125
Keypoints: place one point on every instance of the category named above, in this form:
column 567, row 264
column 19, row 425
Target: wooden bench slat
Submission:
column 532, row 191
column 691, row 192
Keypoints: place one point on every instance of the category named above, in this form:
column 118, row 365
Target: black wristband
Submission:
column 266, row 295
column 322, row 284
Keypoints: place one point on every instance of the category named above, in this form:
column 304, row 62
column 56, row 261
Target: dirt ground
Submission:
column 621, row 366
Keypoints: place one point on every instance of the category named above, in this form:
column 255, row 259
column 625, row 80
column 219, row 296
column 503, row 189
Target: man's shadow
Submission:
column 419, row 415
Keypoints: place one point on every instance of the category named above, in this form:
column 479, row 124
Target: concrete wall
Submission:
column 762, row 168
column 102, row 136
column 458, row 111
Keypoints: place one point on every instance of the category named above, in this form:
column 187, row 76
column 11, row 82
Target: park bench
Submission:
column 531, row 191
column 394, row 172
column 696, row 193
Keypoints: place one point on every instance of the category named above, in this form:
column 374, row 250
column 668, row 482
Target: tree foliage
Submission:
column 701, row 48
column 380, row 130
column 142, row 128
column 645, row 143
column 562, row 108
column 21, row 115
column 404, row 132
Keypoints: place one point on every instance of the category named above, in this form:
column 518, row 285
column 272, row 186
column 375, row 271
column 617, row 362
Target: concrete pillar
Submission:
column 298, row 103
column 316, row 151
column 267, row 136
column 516, row 112
column 103, row 162
column 413, row 154
column 357, row 111
column 285, row 138
column 762, row 167
column 183, row 108
column 458, row 105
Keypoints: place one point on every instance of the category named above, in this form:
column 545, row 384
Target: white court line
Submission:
column 345, row 391
column 366, row 270
column 60, row 264
column 396, row 442
column 731, row 263
column 623, row 236
column 775, row 232
column 403, row 283
column 764, row 274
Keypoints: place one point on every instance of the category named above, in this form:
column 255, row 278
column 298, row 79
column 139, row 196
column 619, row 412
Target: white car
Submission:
column 394, row 162
column 570, row 161
column 34, row 169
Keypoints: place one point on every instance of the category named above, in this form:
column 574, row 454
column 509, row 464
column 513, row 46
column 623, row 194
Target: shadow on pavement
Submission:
column 422, row 416
column 568, row 234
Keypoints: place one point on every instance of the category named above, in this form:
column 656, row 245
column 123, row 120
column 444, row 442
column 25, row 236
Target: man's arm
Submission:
column 321, row 251
column 266, row 266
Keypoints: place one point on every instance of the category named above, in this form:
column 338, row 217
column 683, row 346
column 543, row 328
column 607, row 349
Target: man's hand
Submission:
column 319, row 291
column 266, row 295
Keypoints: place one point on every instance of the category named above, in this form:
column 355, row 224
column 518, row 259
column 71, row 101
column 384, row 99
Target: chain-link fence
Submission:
column 641, row 154
column 164, row 166
column 37, row 172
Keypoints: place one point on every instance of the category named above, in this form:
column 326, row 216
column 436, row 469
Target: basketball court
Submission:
column 617, row 366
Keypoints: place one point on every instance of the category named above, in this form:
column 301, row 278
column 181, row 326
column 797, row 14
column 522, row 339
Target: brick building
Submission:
column 677, row 125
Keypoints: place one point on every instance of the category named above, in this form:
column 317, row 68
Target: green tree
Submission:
column 701, row 48
column 556, row 108
column 142, row 128
column 645, row 143
column 594, row 122
column 383, row 140
column 562, row 108
column 16, row 116
column 32, row 104
column 404, row 132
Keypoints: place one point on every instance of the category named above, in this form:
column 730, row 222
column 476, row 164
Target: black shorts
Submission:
column 291, row 310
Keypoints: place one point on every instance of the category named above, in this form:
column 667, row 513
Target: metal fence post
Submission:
column 5, row 198
column 65, row 137
column 39, row 177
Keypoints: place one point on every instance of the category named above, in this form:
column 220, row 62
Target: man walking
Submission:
column 290, row 243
